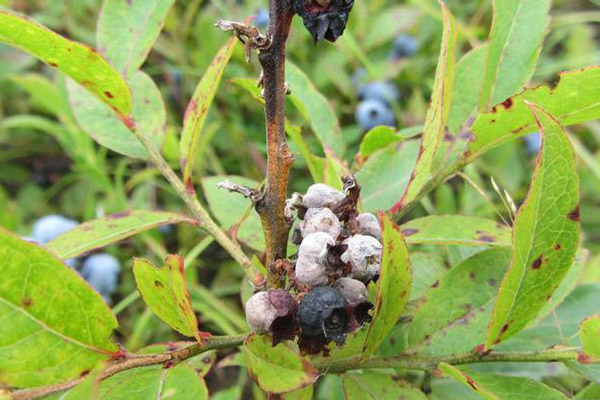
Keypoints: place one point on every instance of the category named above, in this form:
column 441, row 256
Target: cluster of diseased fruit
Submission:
column 339, row 253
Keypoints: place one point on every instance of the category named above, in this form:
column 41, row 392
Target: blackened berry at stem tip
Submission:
column 324, row 19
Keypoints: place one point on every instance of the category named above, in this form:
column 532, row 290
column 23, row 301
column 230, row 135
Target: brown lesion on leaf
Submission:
column 557, row 247
column 158, row 284
column 574, row 215
column 492, row 282
column 122, row 214
column 109, row 94
column 486, row 238
column 471, row 383
column 26, row 302
column 435, row 284
column 537, row 263
column 409, row 231
column 472, row 276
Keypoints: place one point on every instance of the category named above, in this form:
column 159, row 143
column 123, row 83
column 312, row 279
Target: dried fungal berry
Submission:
column 320, row 195
column 364, row 255
column 321, row 220
column 311, row 265
column 355, row 293
column 272, row 312
column 324, row 19
column 322, row 315
column 368, row 225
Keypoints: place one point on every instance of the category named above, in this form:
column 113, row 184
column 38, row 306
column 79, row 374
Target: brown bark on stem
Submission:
column 271, row 206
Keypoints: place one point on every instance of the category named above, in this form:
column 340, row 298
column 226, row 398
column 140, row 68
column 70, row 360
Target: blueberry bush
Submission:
column 305, row 199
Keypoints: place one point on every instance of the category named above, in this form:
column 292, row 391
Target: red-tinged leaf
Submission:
column 197, row 109
column 545, row 234
column 165, row 291
column 393, row 286
column 82, row 63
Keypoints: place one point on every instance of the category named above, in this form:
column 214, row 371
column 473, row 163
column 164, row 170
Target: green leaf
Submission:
column 302, row 394
column 127, row 30
column 470, row 71
column 316, row 109
column 82, row 63
column 197, row 109
column 393, row 286
column 101, row 232
column 377, row 138
column 591, row 392
column 54, row 326
column 590, row 337
column 502, row 387
column 378, row 386
column 231, row 209
column 384, row 175
column 165, row 291
column 573, row 100
column 437, row 114
column 156, row 382
column 515, row 43
column 545, row 235
column 43, row 92
column 456, row 229
column 278, row 369
column 453, row 315
column 99, row 121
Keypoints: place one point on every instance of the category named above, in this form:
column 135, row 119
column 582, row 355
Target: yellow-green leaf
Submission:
column 590, row 337
column 378, row 386
column 165, row 291
column 545, row 234
column 54, row 326
column 393, row 286
column 82, row 63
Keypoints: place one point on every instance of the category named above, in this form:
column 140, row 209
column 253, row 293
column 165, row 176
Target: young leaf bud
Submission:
column 311, row 265
column 273, row 312
column 364, row 255
column 320, row 195
column 322, row 314
column 324, row 19
column 321, row 220
column 368, row 225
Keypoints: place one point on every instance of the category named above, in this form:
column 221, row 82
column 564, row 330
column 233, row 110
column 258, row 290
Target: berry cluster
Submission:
column 339, row 253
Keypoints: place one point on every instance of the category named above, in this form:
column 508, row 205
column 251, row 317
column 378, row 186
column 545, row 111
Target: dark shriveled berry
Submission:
column 272, row 312
column 322, row 315
column 324, row 19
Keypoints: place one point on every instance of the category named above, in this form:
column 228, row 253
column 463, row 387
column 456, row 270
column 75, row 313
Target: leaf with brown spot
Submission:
column 113, row 228
column 542, row 222
column 501, row 387
column 169, row 299
column 590, row 338
column 393, row 286
column 81, row 63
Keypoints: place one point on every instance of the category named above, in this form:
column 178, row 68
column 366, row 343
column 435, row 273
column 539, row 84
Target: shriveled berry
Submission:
column 355, row 293
column 364, row 255
column 368, row 225
column 324, row 19
column 372, row 113
column 320, row 195
column 322, row 314
column 311, row 265
column 273, row 312
column 320, row 220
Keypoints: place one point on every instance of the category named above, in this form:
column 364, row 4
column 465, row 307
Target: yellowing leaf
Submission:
column 590, row 337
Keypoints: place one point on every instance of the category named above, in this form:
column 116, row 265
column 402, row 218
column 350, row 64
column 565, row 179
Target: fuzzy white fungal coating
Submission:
column 355, row 292
column 311, row 265
column 320, row 195
column 368, row 225
column 364, row 255
column 320, row 220
column 260, row 313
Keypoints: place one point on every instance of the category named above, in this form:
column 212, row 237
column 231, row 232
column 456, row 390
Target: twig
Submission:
column 211, row 343
column 271, row 206
column 245, row 191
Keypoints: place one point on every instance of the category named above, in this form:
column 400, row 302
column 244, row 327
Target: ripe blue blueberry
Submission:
column 102, row 272
column 372, row 113
column 404, row 46
column 384, row 92
column 261, row 18
column 533, row 142
column 50, row 226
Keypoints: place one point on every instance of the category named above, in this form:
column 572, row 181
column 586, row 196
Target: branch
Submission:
column 204, row 219
column 279, row 158
column 134, row 361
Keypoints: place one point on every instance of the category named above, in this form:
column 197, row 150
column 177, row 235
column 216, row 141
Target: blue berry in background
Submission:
column 102, row 272
column 533, row 142
column 166, row 230
column 358, row 77
column 372, row 113
column 261, row 18
column 404, row 46
column 384, row 92
column 47, row 228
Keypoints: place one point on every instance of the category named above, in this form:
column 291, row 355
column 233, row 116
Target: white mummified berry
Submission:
column 263, row 308
column 355, row 292
column 364, row 255
column 311, row 265
column 320, row 195
column 368, row 225
column 320, row 220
